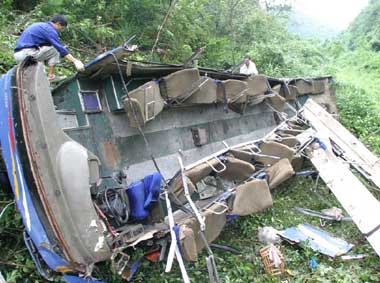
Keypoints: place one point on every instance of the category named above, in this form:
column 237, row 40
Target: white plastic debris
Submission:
column 268, row 234
column 274, row 255
column 333, row 212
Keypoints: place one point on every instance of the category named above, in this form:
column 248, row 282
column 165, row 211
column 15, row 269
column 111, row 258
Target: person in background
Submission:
column 248, row 67
column 41, row 41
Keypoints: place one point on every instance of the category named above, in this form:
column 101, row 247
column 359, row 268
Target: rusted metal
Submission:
column 111, row 154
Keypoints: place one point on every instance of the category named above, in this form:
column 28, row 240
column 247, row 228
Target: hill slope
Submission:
column 307, row 27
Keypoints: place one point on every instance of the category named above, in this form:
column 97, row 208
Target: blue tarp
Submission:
column 316, row 239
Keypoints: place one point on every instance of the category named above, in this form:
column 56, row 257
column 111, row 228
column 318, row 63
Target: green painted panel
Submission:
column 112, row 99
column 114, row 91
column 68, row 99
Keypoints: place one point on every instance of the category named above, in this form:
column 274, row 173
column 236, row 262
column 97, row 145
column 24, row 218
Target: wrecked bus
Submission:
column 133, row 154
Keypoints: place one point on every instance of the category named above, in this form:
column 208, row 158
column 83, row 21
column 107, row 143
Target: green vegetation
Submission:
column 355, row 58
column 227, row 29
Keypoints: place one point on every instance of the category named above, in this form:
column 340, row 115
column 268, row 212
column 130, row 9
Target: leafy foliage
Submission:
column 227, row 30
column 366, row 27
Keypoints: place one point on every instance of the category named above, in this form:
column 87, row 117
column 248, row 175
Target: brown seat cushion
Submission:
column 277, row 149
column 203, row 92
column 237, row 170
column 176, row 84
column 251, row 197
column 279, row 172
column 145, row 102
column 192, row 242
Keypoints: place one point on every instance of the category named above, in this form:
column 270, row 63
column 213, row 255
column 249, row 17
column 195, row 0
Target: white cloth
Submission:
column 250, row 70
column 79, row 65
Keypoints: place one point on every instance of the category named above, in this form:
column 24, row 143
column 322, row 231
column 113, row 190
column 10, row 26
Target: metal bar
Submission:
column 173, row 245
column 189, row 200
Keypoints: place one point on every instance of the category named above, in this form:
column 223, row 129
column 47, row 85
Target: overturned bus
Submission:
column 132, row 154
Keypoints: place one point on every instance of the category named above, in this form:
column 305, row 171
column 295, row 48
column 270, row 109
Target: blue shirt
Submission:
column 40, row 34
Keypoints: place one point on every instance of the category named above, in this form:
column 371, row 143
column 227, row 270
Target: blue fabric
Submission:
column 177, row 230
column 136, row 195
column 232, row 217
column 143, row 194
column 40, row 34
column 134, row 268
column 321, row 143
column 313, row 264
column 261, row 176
column 306, row 173
column 75, row 279
column 152, row 185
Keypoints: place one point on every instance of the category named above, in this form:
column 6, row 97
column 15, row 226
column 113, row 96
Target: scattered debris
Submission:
column 268, row 235
column 328, row 214
column 313, row 264
column 334, row 212
column 351, row 257
column 75, row 279
column 355, row 198
column 316, row 239
column 133, row 269
column 273, row 260
column 225, row 248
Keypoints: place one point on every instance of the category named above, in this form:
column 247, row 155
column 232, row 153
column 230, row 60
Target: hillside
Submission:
column 307, row 27
column 366, row 27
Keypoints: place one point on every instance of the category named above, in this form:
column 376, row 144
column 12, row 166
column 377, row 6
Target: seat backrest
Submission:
column 191, row 240
column 178, row 83
column 277, row 101
column 276, row 149
column 320, row 86
column 251, row 197
column 235, row 91
column 146, row 102
column 257, row 85
column 237, row 170
column 201, row 171
column 304, row 86
column 204, row 92
column 292, row 93
column 279, row 172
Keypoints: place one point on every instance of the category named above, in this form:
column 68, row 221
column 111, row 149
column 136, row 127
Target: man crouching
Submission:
column 41, row 41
